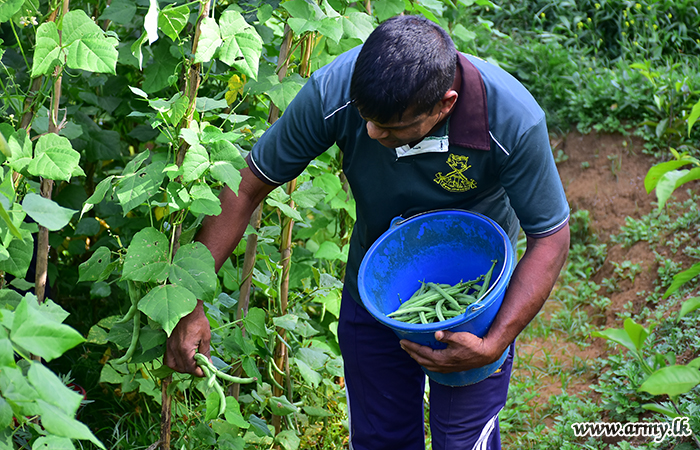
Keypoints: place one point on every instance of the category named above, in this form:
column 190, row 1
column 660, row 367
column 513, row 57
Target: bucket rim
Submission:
column 471, row 312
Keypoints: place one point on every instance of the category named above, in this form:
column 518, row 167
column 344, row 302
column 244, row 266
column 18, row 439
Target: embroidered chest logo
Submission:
column 455, row 181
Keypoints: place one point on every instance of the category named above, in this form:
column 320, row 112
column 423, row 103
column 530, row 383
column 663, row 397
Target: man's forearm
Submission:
column 221, row 234
column 529, row 287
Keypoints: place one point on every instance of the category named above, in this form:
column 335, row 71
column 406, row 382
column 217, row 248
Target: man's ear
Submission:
column 448, row 101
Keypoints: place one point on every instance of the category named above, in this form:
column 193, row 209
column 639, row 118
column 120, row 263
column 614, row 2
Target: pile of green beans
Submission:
column 211, row 372
column 435, row 302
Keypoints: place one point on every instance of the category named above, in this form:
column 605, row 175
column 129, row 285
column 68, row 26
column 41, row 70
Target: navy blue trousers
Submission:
column 385, row 387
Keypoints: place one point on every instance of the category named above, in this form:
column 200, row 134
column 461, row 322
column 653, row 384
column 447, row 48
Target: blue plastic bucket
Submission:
column 446, row 246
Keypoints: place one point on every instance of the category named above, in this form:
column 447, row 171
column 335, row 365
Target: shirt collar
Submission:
column 470, row 119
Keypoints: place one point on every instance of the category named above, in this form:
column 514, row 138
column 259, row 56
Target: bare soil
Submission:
column 603, row 174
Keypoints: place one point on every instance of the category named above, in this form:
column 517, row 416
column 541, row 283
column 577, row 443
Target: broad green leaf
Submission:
column 102, row 145
column 41, row 333
column 656, row 172
column 205, row 104
column 167, row 305
column 193, row 268
column 98, row 195
column 204, row 201
column 660, row 409
column 301, row 9
column 241, row 46
column 329, row 250
column 53, row 443
column 134, row 165
column 307, row 373
column 86, row 45
column 209, row 40
column 283, row 93
column 54, row 158
column 225, row 151
column 150, row 22
column 178, row 197
column 212, row 403
column 55, row 421
column 119, row 11
column 162, row 72
column 47, row 213
column 21, row 147
column 307, row 196
column 358, row 25
column 667, row 184
column 694, row 115
column 172, row 20
column 147, row 257
column 259, row 426
column 14, row 231
column 287, row 321
column 233, row 413
column 689, row 306
column 461, row 33
column 255, row 322
column 137, row 49
column 6, row 352
column 618, row 336
column 316, row 411
column 139, row 187
column 97, row 335
column 384, row 9
column 285, row 209
column 16, row 389
column 9, row 8
column 682, row 278
column 108, row 374
column 225, row 172
column 331, row 28
column 5, row 413
column 288, row 439
column 314, row 358
column 93, row 269
column 21, row 252
column 637, row 333
column 331, row 302
column 194, row 165
column 47, row 53
column 671, row 380
column 52, row 390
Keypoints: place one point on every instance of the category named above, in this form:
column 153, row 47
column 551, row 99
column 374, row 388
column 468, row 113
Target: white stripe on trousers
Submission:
column 482, row 442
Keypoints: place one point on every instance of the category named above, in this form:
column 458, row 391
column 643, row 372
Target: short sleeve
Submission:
column 531, row 180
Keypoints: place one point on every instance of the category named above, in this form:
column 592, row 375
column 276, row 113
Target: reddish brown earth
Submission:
column 603, row 174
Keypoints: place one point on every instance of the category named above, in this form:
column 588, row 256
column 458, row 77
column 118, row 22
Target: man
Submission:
column 421, row 127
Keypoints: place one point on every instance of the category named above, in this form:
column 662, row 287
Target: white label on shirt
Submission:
column 431, row 144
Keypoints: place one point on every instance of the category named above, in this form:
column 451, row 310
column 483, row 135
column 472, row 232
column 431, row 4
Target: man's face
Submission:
column 410, row 129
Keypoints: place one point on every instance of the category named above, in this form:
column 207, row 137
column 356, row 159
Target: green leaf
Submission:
column 98, row 195
column 329, row 250
column 285, row 209
column 47, row 53
column 667, row 184
column 682, row 278
column 657, row 171
column 119, row 11
column 9, row 8
column 671, row 380
column 259, row 426
column 384, row 9
column 55, row 421
column 5, row 413
column 47, row 213
column 283, row 93
column 147, row 257
column 288, row 439
column 212, row 405
column 225, row 172
column 52, row 390
column 204, row 201
column 178, row 197
column 694, row 115
column 137, row 49
column 193, row 268
column 307, row 196
column 233, row 413
column 280, row 406
column 332, row 28
column 307, row 373
column 39, row 332
column 637, row 333
column 139, row 187
column 196, row 162
column 660, row 409
column 209, row 40
column 21, row 252
column 689, row 306
column 21, row 147
column 241, row 46
column 316, row 411
column 109, row 375
column 255, row 322
column 205, row 104
column 618, row 336
column 225, row 151
column 12, row 228
column 358, row 25
column 54, row 158
column 86, row 45
column 167, row 305
column 93, row 269
column 97, row 335
column 162, row 72
column 172, row 20
column 16, row 390
column 53, row 443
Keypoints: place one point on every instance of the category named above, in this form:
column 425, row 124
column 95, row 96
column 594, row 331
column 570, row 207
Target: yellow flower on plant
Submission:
column 579, row 25
column 542, row 15
column 235, row 87
column 597, row 6
column 656, row 27
column 589, row 20
column 627, row 23
column 669, row 15
column 638, row 6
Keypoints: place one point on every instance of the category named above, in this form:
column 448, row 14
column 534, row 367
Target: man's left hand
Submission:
column 464, row 351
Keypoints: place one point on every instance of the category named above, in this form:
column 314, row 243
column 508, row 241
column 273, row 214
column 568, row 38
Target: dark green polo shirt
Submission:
column 498, row 162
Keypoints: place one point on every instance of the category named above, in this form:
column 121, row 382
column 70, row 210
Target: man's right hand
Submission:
column 190, row 336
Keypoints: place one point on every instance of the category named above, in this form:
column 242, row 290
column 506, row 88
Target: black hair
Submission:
column 407, row 62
